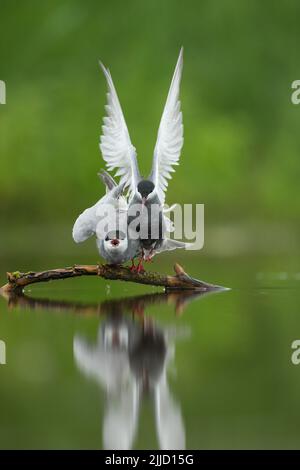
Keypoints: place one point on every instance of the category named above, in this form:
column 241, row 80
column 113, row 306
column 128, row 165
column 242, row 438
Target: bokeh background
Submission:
column 236, row 384
column 241, row 151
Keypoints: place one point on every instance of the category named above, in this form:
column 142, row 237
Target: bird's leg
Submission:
column 132, row 267
column 140, row 268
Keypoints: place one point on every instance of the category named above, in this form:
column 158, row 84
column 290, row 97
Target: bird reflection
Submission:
column 129, row 361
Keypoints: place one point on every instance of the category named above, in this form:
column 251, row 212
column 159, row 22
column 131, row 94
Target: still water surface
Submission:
column 92, row 364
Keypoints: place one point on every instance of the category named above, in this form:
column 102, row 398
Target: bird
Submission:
column 146, row 195
column 107, row 219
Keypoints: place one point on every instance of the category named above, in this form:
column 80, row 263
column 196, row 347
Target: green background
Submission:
column 241, row 151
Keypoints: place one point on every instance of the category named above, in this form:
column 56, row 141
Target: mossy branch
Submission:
column 180, row 281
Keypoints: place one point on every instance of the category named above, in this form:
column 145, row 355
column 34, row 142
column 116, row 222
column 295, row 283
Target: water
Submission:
column 92, row 364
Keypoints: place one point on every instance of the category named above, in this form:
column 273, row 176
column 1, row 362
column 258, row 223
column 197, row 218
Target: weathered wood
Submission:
column 180, row 281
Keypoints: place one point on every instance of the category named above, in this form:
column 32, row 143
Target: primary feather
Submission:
column 115, row 144
column 170, row 136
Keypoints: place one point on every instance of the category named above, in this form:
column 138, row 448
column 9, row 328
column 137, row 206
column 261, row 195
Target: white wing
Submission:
column 170, row 136
column 86, row 224
column 116, row 147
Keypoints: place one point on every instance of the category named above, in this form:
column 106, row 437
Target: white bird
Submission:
column 107, row 219
column 146, row 196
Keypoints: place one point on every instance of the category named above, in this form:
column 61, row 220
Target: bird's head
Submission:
column 146, row 191
column 115, row 241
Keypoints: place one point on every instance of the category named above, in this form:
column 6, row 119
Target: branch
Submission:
column 181, row 280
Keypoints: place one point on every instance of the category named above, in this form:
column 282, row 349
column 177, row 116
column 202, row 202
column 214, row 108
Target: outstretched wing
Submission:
column 116, row 147
column 170, row 136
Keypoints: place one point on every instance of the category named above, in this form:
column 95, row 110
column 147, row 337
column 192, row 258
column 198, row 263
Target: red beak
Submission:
column 115, row 242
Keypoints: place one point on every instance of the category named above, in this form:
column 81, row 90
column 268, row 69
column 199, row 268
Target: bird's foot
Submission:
column 139, row 268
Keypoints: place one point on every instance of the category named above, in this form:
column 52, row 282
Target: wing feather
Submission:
column 115, row 144
column 170, row 136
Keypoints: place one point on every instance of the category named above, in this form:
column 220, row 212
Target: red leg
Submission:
column 132, row 267
column 140, row 267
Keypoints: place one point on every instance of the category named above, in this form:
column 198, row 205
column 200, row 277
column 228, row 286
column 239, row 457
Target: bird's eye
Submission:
column 106, row 238
column 138, row 228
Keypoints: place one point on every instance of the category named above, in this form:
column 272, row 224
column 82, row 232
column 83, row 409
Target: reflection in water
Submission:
column 129, row 361
column 135, row 305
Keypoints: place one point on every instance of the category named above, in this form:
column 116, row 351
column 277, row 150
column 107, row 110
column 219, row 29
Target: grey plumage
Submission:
column 146, row 218
column 107, row 180
column 113, row 244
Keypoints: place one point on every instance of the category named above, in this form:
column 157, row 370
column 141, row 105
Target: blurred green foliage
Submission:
column 242, row 144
